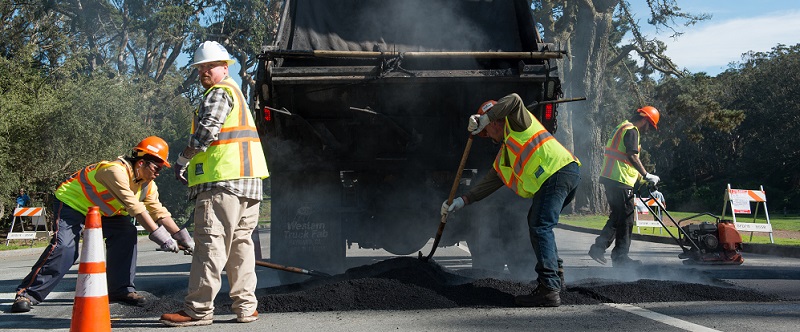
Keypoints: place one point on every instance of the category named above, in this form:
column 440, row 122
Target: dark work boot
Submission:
column 131, row 298
column 597, row 254
column 561, row 276
column 625, row 262
column 540, row 297
column 21, row 304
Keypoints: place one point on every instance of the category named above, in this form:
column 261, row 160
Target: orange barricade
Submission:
column 91, row 311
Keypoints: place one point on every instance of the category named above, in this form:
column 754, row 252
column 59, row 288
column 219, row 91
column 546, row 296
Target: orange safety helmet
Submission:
column 154, row 146
column 485, row 107
column 651, row 114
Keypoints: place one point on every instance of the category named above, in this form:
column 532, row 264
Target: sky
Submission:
column 736, row 27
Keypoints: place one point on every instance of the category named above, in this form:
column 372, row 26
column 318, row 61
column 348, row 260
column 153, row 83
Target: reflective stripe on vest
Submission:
column 616, row 165
column 528, row 158
column 82, row 190
column 237, row 153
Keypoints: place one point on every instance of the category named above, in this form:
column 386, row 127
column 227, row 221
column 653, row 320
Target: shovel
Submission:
column 292, row 269
column 449, row 200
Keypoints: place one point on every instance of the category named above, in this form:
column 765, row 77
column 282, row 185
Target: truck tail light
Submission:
column 267, row 114
column 548, row 112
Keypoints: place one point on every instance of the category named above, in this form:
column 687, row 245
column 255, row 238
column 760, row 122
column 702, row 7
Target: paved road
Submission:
column 158, row 271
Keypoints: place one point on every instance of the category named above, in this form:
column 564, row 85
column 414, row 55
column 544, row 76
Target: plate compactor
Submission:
column 707, row 243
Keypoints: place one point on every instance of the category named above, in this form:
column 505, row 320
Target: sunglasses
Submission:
column 156, row 167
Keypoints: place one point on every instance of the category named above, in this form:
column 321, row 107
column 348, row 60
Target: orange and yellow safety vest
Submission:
column 237, row 152
column 82, row 190
column 616, row 165
column 528, row 158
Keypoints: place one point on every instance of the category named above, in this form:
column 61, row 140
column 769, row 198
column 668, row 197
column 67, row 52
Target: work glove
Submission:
column 180, row 169
column 161, row 237
column 457, row 204
column 184, row 240
column 652, row 178
column 477, row 122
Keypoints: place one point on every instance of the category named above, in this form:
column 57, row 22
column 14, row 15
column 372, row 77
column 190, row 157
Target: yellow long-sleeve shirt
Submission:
column 122, row 185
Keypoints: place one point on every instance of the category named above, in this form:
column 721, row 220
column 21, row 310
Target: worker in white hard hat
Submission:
column 224, row 166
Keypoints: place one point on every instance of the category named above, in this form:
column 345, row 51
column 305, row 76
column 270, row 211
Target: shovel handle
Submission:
column 453, row 190
column 461, row 166
column 292, row 269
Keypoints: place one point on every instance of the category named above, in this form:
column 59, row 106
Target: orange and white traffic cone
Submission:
column 90, row 311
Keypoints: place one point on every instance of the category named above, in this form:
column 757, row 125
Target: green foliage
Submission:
column 697, row 145
column 25, row 100
column 766, row 86
column 737, row 128
column 82, row 82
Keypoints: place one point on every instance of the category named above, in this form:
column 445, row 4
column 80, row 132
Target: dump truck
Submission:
column 362, row 107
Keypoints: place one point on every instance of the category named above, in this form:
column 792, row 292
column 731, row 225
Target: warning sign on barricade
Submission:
column 642, row 210
column 37, row 217
column 742, row 201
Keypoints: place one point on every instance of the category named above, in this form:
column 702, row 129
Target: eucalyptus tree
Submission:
column 586, row 29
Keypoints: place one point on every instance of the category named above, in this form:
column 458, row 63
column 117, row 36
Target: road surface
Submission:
column 160, row 271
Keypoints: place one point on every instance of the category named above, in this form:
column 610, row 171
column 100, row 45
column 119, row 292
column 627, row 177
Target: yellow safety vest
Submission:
column 616, row 165
column 528, row 158
column 237, row 152
column 82, row 190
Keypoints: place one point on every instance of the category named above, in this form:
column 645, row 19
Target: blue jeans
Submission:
column 555, row 193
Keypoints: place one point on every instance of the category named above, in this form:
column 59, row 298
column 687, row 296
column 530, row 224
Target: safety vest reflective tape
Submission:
column 237, row 152
column 616, row 165
column 82, row 190
column 529, row 158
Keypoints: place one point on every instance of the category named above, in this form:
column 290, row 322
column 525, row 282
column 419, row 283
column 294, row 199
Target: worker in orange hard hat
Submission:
column 123, row 189
column 533, row 164
column 621, row 170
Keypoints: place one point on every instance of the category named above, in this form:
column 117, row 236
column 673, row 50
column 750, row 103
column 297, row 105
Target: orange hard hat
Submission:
column 485, row 107
column 154, row 146
column 651, row 114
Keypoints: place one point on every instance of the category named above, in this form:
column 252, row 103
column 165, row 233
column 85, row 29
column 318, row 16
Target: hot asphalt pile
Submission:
column 407, row 283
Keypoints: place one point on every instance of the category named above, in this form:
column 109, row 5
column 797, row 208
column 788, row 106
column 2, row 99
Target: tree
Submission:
column 766, row 85
column 700, row 147
column 586, row 28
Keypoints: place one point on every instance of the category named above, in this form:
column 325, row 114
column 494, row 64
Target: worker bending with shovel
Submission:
column 534, row 165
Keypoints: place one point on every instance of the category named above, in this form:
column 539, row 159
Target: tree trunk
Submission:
column 584, row 30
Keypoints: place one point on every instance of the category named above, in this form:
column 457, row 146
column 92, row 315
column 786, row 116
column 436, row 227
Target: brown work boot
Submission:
column 131, row 298
column 248, row 319
column 181, row 318
column 540, row 297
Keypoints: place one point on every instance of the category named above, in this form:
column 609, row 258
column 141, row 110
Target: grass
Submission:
column 23, row 244
column 785, row 223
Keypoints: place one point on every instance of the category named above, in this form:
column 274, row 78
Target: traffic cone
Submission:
column 90, row 311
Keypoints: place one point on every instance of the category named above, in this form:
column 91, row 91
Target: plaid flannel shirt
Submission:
column 213, row 111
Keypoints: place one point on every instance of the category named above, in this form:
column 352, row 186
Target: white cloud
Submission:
column 713, row 46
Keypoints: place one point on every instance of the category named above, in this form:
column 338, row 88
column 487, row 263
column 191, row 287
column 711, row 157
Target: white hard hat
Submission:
column 210, row 51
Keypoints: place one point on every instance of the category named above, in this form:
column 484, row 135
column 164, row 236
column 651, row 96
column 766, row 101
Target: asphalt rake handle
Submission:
column 453, row 190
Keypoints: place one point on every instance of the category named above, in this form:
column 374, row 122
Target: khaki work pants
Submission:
column 223, row 224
